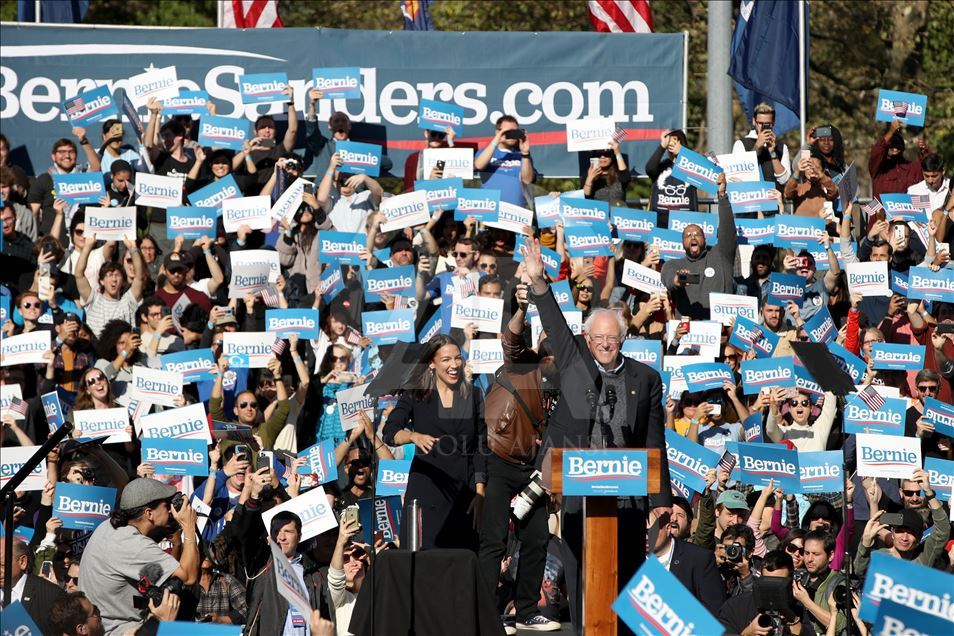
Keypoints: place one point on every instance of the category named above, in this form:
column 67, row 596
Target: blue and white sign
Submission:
column 359, row 158
column 633, row 225
column 706, row 376
column 190, row 222
column 821, row 327
column 649, row 352
column 338, row 82
column 907, row 107
column 725, row 307
column 223, row 132
column 821, row 471
column 752, row 428
column 941, row 476
column 914, row 585
column 887, row 456
column 655, row 602
column 312, row 508
column 80, row 187
column 895, row 619
column 695, row 169
column 547, row 210
column 785, row 288
column 755, row 231
column 761, row 463
column 748, row 335
column 304, row 323
column 388, row 327
column 321, row 461
column 797, row 232
column 551, row 260
column 15, row 621
column 187, row 103
column 341, row 248
column 196, row 365
column 186, row 422
column 669, row 244
column 212, row 195
column 82, row 507
column 53, row 410
column 680, row 219
column 806, row 383
column 441, row 193
column 332, row 283
column 483, row 205
column 181, row 628
column 767, row 374
column 753, row 196
column 928, row 285
column 440, row 116
column 580, row 211
column 688, row 461
column 395, row 281
column 392, row 476
column 589, row 240
column 941, row 415
column 897, row 357
column 263, row 88
column 154, row 385
column 385, row 518
column 170, row 456
column 849, row 362
column 900, row 207
column 616, row 473
column 899, row 282
column 91, row 107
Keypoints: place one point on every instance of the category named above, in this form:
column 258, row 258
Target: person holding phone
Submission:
column 608, row 175
column 773, row 157
column 336, row 375
column 813, row 189
column 506, row 164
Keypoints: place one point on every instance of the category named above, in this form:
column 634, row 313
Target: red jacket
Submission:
column 898, row 178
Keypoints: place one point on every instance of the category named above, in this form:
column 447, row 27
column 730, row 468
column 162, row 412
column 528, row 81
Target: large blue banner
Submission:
column 635, row 79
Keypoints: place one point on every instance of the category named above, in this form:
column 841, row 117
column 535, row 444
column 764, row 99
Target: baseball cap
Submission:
column 339, row 121
column 144, row 490
column 731, row 499
column 911, row 520
column 226, row 319
column 177, row 261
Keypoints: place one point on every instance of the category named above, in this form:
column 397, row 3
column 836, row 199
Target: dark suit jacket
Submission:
column 38, row 597
column 696, row 569
column 570, row 423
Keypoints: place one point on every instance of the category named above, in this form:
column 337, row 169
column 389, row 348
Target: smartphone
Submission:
column 264, row 459
column 46, row 570
column 226, row 311
column 241, row 453
column 899, row 233
column 684, row 324
column 768, row 127
column 350, row 515
column 594, row 162
column 346, row 376
column 689, row 279
column 945, row 327
column 518, row 133
column 439, row 164
column 805, row 155
column 891, row 519
column 823, row 131
column 716, row 409
column 267, row 143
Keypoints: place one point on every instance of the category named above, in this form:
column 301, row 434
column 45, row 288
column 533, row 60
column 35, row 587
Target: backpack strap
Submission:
column 503, row 380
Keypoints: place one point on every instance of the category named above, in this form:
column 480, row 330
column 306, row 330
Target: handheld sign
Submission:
column 352, row 403
column 512, row 218
column 762, row 463
column 897, row 357
column 287, row 581
column 649, row 352
column 821, row 327
column 668, row 243
column 797, row 232
column 896, row 618
column 157, row 191
column 12, row 460
column 706, row 376
column 91, row 107
column 440, row 116
column 15, row 620
column 766, row 374
column 868, row 279
column 288, row 203
column 755, row 231
column 483, row 205
column 184, row 423
column 79, row 187
column 384, row 518
column 725, row 307
column 591, row 133
column 888, row 456
column 304, row 323
column 186, row 103
column 784, row 288
column 547, row 210
column 927, row 285
column 806, row 383
column 752, row 428
column 263, row 88
column 848, row 362
column 156, row 386
column 741, row 166
column 158, row 82
column 907, row 107
column 212, row 195
column 108, row 423
column 551, row 259
column 631, row 225
column 458, row 162
column 112, row 224
column 195, row 365
column 941, row 476
column 441, row 193
column 695, row 169
column 312, row 508
column 359, row 158
column 249, row 276
column 321, row 461
column 486, row 356
column 331, row 284
column 341, row 248
column 748, row 335
column 171, row 456
column 338, row 82
column 392, row 476
column 616, row 473
column 53, row 410
column 655, row 602
column 900, row 207
column 941, row 415
column 223, row 132
column 9, row 393
column 405, row 210
column 915, row 586
column 485, row 313
column 190, row 222
column 758, row 196
column 388, row 327
column 255, row 347
column 83, row 507
column 589, row 240
column 642, row 278
column 688, row 461
column 580, row 211
column 255, row 212
column 679, row 220
column 821, row 471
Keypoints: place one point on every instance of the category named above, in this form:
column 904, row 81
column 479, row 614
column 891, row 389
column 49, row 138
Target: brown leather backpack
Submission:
column 515, row 414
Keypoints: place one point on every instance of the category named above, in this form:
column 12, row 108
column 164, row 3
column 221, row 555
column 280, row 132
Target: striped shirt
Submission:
column 100, row 309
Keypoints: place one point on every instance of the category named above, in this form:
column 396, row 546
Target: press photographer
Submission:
column 769, row 608
column 733, row 556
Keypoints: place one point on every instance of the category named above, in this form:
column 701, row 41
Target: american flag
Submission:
column 18, row 406
column 249, row 14
column 278, row 348
column 75, row 105
column 270, row 297
column 900, row 107
column 872, row 398
column 757, row 334
column 464, row 286
column 619, row 135
column 620, row 16
column 872, row 207
column 727, row 462
column 920, row 201
column 352, row 336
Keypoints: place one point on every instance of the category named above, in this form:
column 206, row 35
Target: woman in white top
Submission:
column 795, row 420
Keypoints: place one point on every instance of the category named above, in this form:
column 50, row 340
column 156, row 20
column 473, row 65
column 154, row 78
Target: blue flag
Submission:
column 417, row 15
column 62, row 11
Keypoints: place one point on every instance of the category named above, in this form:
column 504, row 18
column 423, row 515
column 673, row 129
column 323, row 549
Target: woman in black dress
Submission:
column 443, row 417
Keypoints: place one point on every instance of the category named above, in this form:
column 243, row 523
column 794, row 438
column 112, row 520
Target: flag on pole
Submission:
column 921, row 200
column 249, row 14
column 20, row 407
column 870, row 396
column 417, row 15
column 620, row 16
column 61, row 11
column 278, row 348
column 727, row 462
column 872, row 207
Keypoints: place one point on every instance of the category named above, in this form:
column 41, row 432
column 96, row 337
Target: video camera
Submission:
column 774, row 601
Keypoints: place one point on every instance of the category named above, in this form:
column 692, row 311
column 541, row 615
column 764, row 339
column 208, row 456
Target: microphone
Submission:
column 591, row 400
column 611, row 400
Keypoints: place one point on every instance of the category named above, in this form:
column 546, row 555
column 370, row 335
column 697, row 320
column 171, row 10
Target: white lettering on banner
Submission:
column 698, row 377
column 751, row 196
column 214, row 199
column 657, row 610
column 880, row 355
column 96, row 104
column 262, row 89
column 891, row 626
column 579, row 212
column 695, row 169
column 587, row 240
column 678, row 225
column 645, row 356
column 785, row 291
column 819, row 332
column 869, row 416
column 190, row 223
column 82, row 187
column 934, row 284
column 680, row 458
column 943, row 481
column 901, row 456
column 393, row 477
column 767, row 466
column 767, row 375
column 624, row 467
column 388, row 327
column 277, row 324
column 376, row 286
column 328, row 83
column 189, row 365
column 358, row 158
column 177, row 456
column 82, row 507
column 439, row 117
column 222, row 132
column 921, row 600
column 333, row 247
column 819, row 472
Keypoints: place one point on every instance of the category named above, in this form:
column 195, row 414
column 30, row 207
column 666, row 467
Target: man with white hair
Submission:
column 607, row 401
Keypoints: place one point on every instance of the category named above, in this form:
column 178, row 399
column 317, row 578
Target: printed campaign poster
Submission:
column 155, row 385
column 82, row 507
column 263, row 88
column 158, row 191
column 157, row 82
column 352, row 402
column 170, row 456
column 338, row 82
column 440, row 116
column 111, row 224
column 187, row 422
column 616, row 473
column 405, row 210
column 312, row 508
column 888, row 456
column 12, row 460
column 392, row 476
column 591, row 133
column 79, row 187
column 108, row 423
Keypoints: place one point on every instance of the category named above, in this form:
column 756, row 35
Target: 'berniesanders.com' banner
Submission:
column 637, row 80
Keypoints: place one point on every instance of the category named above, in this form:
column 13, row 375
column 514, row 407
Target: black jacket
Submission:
column 570, row 423
column 696, row 569
column 37, row 599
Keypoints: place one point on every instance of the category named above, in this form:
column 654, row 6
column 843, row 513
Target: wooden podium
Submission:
column 600, row 550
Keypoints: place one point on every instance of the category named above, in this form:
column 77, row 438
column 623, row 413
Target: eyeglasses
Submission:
column 586, row 288
column 66, row 151
column 601, row 339
column 911, row 493
column 491, row 266
column 868, row 342
column 461, row 254
column 927, row 388
column 72, row 578
column 245, row 405
column 93, row 380
column 799, row 403
column 340, row 358
column 693, row 233
column 794, row 549
column 38, row 304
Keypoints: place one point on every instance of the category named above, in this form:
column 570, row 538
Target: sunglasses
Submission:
column 911, row 493
column 38, row 304
column 487, row 266
column 94, row 380
column 799, row 403
column 585, row 288
column 78, row 232
column 461, row 254
column 245, row 405
column 927, row 388
column 72, row 578
column 340, row 358
column 794, row 549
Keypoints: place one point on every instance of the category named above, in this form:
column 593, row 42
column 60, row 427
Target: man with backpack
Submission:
column 516, row 409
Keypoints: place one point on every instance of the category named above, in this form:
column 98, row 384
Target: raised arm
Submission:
column 139, row 267
column 82, row 283
column 289, row 141
column 152, row 129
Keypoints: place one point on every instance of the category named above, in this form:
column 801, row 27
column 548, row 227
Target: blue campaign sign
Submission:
column 797, row 232
column 633, row 225
column 396, row 281
column 888, row 420
column 82, row 507
column 900, row 207
column 821, row 327
column 263, row 88
column 441, row 193
column 897, row 357
column 196, row 365
column 212, row 195
column 649, row 352
column 53, row 410
column 679, row 219
column 748, row 335
column 483, row 205
column 917, row 586
column 15, row 621
column 907, row 107
column 551, row 259
column 784, row 288
column 941, row 476
column 752, row 196
column 821, row 471
column 655, row 602
column 899, row 282
column 384, row 519
column 616, row 473
column 81, row 187
column 223, row 132
column 388, row 327
column 849, row 362
column 589, row 240
column 392, row 476
column 760, row 463
column 170, row 456
column 304, row 323
column 191, row 222
column 708, row 375
column 359, row 158
column 897, row 619
column 341, row 248
column 688, row 461
column 180, row 628
column 546, row 209
column 431, row 328
column 341, row 82
column 928, row 285
column 332, row 282
column 766, row 374
column 755, row 231
column 580, row 211
column 440, row 116
column 806, row 383
column 941, row 415
column 692, row 168
column 669, row 244
column 187, row 103
column 752, row 428
column 321, row 461
column 91, row 107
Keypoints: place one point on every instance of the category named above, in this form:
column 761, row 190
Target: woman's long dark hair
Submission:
column 837, row 159
column 83, row 399
column 327, row 363
column 425, row 380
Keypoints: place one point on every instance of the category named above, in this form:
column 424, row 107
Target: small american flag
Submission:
column 757, row 334
column 727, row 462
column 900, row 107
column 920, row 201
column 872, row 207
column 278, row 348
column 464, row 286
column 270, row 297
column 18, row 406
column 619, row 135
column 75, row 105
column 870, row 396
column 352, row 336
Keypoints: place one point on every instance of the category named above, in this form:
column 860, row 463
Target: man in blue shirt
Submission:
column 506, row 164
